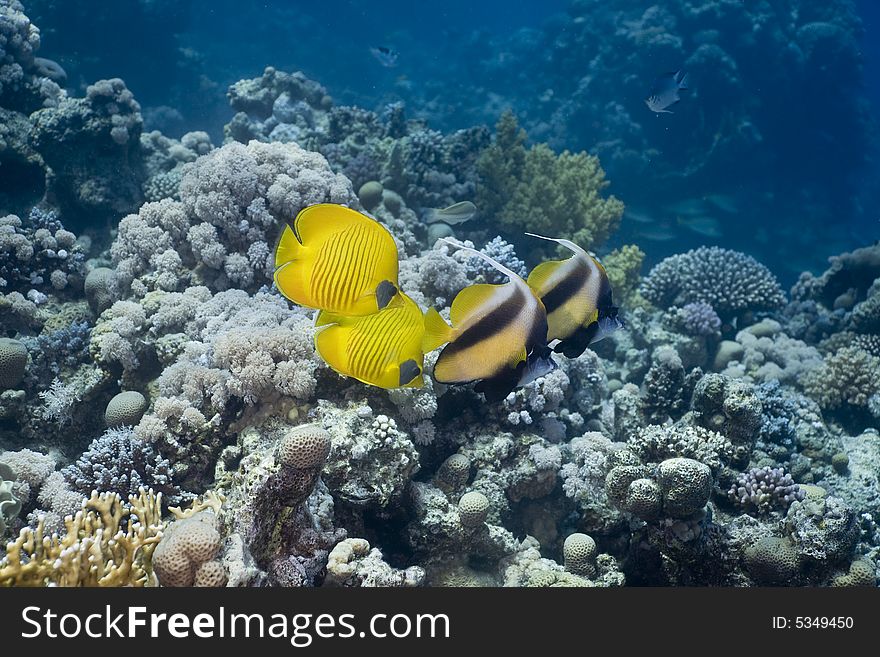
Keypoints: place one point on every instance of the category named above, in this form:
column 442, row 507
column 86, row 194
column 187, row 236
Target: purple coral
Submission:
column 762, row 490
column 699, row 319
column 730, row 281
column 120, row 463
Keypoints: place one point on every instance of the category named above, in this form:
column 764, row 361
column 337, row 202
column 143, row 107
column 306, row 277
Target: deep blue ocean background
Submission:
column 803, row 190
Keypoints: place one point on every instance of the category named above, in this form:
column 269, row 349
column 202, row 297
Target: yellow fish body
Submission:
column 495, row 329
column 338, row 260
column 383, row 349
column 576, row 294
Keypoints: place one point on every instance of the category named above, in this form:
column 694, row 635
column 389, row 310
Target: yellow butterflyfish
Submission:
column 336, row 259
column 384, row 349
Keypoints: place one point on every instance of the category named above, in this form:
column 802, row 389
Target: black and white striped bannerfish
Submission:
column 495, row 330
column 577, row 298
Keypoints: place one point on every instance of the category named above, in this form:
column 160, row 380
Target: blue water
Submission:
column 807, row 181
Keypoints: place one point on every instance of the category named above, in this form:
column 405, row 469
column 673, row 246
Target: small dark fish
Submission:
column 386, row 56
column 666, row 92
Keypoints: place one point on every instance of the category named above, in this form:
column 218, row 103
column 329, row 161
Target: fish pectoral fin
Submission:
column 437, row 331
column 521, row 357
column 385, row 292
column 472, row 299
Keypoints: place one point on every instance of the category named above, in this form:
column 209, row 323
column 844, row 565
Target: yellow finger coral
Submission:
column 107, row 543
column 536, row 190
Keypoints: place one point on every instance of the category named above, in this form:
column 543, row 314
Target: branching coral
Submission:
column 118, row 463
column 846, row 380
column 537, row 190
column 108, row 543
column 731, row 282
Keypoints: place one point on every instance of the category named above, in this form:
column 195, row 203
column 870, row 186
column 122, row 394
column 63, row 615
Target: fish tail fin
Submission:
column 513, row 276
column 682, row 79
column 437, row 331
column 431, row 216
column 568, row 244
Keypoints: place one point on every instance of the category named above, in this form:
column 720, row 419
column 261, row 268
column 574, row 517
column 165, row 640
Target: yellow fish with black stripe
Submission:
column 496, row 331
column 577, row 297
column 384, row 349
column 338, row 260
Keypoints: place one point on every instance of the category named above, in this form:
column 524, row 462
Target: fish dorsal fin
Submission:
column 437, row 331
column 288, row 247
column 568, row 244
column 539, row 276
column 316, row 222
column 472, row 299
column 325, row 318
column 513, row 276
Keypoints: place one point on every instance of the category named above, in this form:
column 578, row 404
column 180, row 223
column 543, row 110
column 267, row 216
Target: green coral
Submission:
column 623, row 267
column 846, row 379
column 536, row 190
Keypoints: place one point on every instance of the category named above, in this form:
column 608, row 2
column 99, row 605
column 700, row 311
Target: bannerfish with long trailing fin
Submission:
column 577, row 297
column 387, row 57
column 456, row 213
column 383, row 349
column 336, row 259
column 666, row 91
column 495, row 330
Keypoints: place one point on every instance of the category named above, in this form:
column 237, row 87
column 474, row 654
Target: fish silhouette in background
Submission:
column 387, row 57
column 666, row 91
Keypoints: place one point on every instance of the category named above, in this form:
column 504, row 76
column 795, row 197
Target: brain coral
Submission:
column 13, row 360
column 188, row 546
column 125, row 409
column 730, row 281
column 473, row 508
column 579, row 553
column 304, row 447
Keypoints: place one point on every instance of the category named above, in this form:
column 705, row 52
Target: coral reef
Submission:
column 107, row 543
column 729, row 281
column 727, row 436
column 537, row 190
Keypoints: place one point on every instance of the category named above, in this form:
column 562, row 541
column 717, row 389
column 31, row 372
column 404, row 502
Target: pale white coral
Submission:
column 234, row 202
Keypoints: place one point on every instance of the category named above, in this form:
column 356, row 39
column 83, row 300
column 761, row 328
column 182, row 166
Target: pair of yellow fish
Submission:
column 345, row 264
